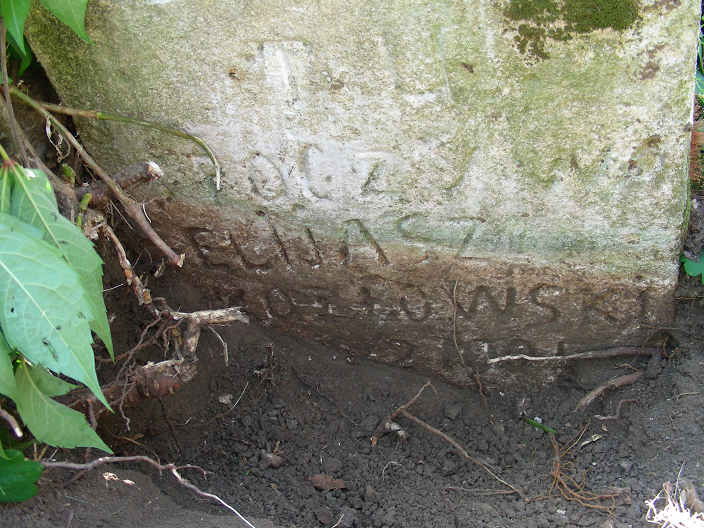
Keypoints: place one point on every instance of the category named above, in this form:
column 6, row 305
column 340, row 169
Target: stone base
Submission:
column 405, row 307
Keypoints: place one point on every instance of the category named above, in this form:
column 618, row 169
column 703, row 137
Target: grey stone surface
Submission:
column 403, row 179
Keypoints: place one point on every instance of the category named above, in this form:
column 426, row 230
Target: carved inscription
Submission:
column 265, row 176
column 359, row 239
column 353, row 292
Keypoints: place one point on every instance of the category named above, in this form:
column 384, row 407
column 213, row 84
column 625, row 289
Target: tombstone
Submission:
column 434, row 185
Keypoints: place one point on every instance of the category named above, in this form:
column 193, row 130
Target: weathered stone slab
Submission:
column 406, row 179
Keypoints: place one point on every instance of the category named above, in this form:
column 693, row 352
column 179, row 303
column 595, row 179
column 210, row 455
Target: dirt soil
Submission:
column 317, row 409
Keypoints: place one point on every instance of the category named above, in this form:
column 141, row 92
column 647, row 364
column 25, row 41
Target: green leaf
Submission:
column 33, row 202
column 48, row 383
column 17, row 477
column 49, row 421
column 7, row 373
column 692, row 268
column 699, row 82
column 18, row 225
column 70, row 12
column 15, row 12
column 42, row 308
column 21, row 52
column 25, row 60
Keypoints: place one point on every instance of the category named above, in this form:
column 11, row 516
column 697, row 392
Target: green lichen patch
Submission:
column 559, row 20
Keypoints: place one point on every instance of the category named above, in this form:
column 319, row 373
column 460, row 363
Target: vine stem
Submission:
column 104, row 116
column 3, row 154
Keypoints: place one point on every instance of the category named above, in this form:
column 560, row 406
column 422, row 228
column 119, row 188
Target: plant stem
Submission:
column 8, row 102
column 103, row 116
column 539, row 425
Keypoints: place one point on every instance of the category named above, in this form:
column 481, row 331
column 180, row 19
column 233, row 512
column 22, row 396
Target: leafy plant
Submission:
column 14, row 12
column 50, row 294
column 70, row 12
column 50, row 300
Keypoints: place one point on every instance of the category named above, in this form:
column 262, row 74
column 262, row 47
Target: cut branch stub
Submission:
column 133, row 175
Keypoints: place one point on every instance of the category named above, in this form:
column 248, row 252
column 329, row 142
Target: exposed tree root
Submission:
column 162, row 467
column 592, row 354
column 615, row 383
column 136, row 383
column 569, row 489
column 137, row 174
column 617, row 415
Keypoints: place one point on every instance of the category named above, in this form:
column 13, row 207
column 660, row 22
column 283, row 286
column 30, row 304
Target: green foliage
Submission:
column 692, row 268
column 50, row 299
column 36, row 206
column 25, row 57
column 17, row 476
column 70, row 12
column 50, row 295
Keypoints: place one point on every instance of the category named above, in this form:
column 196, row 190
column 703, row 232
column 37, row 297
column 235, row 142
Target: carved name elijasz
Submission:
column 293, row 274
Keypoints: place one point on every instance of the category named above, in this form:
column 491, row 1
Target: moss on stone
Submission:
column 559, row 20
column 539, row 11
column 588, row 15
